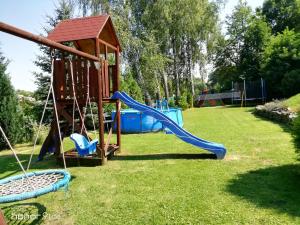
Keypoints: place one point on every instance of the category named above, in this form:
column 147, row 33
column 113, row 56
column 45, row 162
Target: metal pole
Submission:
column 232, row 92
column 245, row 93
column 262, row 90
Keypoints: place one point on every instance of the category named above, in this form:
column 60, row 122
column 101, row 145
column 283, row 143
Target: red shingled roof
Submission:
column 78, row 29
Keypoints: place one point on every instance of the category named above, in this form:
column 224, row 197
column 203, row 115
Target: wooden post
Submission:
column 2, row 219
column 118, row 103
column 105, row 52
column 100, row 107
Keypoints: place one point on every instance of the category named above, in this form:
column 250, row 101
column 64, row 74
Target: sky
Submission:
column 30, row 15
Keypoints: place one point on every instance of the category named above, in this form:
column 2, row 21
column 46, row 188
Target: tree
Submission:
column 130, row 86
column 230, row 52
column 181, row 29
column 281, row 14
column 64, row 10
column 281, row 64
column 10, row 114
column 161, row 40
column 240, row 52
column 257, row 36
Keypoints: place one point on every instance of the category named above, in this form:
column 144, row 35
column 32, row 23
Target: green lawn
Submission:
column 293, row 102
column 158, row 179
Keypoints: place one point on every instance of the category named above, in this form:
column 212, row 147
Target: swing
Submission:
column 82, row 144
column 33, row 184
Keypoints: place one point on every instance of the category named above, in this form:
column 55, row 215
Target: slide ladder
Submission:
column 218, row 149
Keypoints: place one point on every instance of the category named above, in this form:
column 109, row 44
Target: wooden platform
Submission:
column 73, row 159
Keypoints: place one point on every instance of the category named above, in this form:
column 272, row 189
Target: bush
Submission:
column 190, row 100
column 182, row 102
column 290, row 83
column 42, row 135
column 275, row 105
column 296, row 133
column 275, row 111
column 27, row 130
column 171, row 102
column 131, row 87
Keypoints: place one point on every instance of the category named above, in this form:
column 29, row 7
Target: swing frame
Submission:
column 104, row 81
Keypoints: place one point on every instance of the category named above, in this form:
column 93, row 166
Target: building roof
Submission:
column 79, row 28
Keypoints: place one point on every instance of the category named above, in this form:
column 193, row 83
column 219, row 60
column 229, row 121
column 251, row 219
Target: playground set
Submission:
column 84, row 74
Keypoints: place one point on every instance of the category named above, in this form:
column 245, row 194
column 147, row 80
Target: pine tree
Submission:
column 64, row 10
column 9, row 111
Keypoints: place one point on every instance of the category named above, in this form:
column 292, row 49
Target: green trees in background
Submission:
column 231, row 54
column 162, row 41
column 14, row 123
column 281, row 65
column 131, row 87
column 261, row 44
column 282, row 14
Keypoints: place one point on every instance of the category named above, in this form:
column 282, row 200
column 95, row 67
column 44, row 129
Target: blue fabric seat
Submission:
column 83, row 146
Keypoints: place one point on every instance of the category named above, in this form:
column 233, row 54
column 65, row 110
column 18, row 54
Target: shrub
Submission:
column 290, row 83
column 275, row 111
column 42, row 135
column 182, row 102
column 171, row 102
column 274, row 106
column 27, row 130
column 131, row 87
column 190, row 100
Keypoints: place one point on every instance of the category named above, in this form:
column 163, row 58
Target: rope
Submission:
column 88, row 100
column 14, row 152
column 40, row 125
column 56, row 117
column 73, row 117
column 74, row 94
column 95, row 133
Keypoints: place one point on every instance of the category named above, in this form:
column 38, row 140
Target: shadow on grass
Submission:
column 285, row 127
column 9, row 164
column 24, row 213
column 164, row 156
column 274, row 187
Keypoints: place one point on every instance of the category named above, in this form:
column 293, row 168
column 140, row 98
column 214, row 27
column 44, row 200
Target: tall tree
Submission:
column 257, row 36
column 9, row 110
column 64, row 10
column 281, row 64
column 231, row 48
column 237, row 25
column 281, row 14
column 181, row 29
column 162, row 40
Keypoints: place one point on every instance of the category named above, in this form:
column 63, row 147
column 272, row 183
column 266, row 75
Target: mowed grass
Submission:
column 158, row 179
column 293, row 102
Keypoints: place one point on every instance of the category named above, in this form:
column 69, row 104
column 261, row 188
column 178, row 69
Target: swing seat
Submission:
column 83, row 146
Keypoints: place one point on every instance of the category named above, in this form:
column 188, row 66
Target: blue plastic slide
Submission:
column 218, row 149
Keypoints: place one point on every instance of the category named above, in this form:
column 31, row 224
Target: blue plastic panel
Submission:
column 134, row 121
